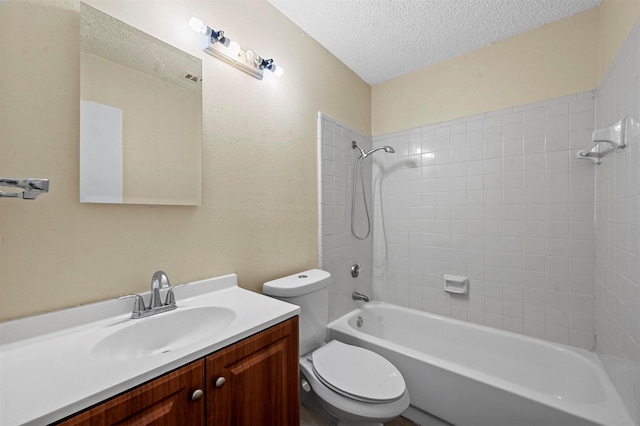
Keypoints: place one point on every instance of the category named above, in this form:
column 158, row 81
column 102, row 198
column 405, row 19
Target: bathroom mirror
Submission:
column 140, row 116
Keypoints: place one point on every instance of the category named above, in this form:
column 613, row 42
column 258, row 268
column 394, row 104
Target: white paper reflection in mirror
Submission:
column 100, row 153
column 141, row 116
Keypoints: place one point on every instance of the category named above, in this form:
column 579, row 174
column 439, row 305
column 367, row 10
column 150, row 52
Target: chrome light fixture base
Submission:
column 244, row 60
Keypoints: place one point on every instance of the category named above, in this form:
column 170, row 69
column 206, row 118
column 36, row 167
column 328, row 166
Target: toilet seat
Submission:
column 345, row 408
column 357, row 373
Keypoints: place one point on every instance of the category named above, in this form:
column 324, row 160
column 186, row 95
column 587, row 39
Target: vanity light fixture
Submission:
column 218, row 45
column 269, row 65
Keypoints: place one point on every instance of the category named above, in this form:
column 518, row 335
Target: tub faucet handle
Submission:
column 355, row 270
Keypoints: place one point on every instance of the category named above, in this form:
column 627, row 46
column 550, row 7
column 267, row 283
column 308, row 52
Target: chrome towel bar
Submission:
column 32, row 187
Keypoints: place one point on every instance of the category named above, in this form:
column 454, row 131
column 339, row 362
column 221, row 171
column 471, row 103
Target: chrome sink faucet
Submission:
column 159, row 281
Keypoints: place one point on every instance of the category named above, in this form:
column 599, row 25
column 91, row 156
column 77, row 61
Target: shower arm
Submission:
column 363, row 154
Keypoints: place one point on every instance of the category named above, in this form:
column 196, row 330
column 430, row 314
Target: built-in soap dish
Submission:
column 455, row 284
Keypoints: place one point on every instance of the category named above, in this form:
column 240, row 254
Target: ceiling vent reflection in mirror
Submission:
column 192, row 77
column 218, row 45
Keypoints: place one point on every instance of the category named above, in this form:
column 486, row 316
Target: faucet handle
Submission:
column 138, row 305
column 171, row 298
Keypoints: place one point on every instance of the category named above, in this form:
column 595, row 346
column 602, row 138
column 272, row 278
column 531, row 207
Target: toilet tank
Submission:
column 309, row 290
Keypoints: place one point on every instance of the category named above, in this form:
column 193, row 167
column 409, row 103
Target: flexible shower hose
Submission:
column 364, row 199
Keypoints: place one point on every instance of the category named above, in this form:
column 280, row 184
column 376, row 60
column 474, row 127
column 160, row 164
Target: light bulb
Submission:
column 278, row 71
column 233, row 49
column 198, row 26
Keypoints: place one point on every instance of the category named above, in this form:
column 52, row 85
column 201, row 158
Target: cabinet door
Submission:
column 255, row 381
column 167, row 401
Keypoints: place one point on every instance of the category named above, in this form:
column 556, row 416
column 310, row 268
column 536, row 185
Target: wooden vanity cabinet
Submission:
column 253, row 382
column 163, row 401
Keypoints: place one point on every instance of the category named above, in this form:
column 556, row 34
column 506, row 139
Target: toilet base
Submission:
column 311, row 401
column 341, row 423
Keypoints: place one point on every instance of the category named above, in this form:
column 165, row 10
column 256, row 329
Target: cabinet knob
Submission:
column 197, row 394
column 220, row 381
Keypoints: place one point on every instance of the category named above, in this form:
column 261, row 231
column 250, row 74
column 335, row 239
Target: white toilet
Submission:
column 355, row 385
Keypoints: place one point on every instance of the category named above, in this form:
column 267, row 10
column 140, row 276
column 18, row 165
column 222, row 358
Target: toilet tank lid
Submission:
column 297, row 284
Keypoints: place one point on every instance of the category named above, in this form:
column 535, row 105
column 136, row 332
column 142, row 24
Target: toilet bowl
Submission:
column 354, row 385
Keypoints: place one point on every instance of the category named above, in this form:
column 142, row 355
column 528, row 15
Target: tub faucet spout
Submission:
column 359, row 296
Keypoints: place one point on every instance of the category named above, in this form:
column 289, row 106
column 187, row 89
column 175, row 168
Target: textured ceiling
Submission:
column 383, row 39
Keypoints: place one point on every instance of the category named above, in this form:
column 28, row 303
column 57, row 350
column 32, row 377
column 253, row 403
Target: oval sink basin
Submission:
column 163, row 333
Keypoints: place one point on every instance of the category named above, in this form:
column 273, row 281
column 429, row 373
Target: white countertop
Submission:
column 47, row 369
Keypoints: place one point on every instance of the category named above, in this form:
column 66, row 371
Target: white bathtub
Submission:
column 473, row 375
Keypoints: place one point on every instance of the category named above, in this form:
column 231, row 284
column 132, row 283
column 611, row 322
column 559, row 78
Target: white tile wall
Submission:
column 500, row 198
column 339, row 250
column 618, row 230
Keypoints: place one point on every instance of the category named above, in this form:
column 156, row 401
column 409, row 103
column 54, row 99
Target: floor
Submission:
column 310, row 417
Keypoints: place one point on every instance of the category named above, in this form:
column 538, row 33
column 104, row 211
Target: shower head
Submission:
column 363, row 154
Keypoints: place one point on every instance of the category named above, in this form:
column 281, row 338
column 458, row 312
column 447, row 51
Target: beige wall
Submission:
column 553, row 60
column 617, row 18
column 259, row 212
column 564, row 57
